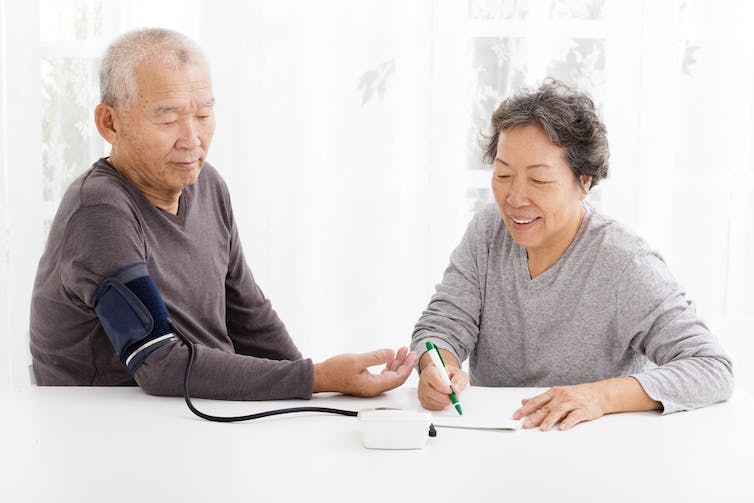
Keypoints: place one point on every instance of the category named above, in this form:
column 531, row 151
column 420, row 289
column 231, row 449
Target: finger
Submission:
column 431, row 400
column 376, row 357
column 430, row 404
column 390, row 354
column 398, row 360
column 459, row 380
column 532, row 404
column 390, row 379
column 555, row 415
column 430, row 397
column 405, row 367
column 575, row 417
column 410, row 361
column 535, row 418
column 402, row 352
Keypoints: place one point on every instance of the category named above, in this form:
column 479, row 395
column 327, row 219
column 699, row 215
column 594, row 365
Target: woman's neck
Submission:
column 542, row 258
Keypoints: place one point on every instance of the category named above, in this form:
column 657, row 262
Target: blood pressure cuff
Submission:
column 133, row 314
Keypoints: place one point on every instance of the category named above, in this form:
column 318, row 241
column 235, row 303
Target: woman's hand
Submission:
column 433, row 392
column 571, row 405
column 568, row 405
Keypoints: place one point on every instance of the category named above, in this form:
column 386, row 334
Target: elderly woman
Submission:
column 544, row 290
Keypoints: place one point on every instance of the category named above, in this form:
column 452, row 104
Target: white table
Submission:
column 118, row 444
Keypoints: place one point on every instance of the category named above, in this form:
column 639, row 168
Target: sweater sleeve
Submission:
column 452, row 317
column 655, row 316
column 105, row 238
column 224, row 376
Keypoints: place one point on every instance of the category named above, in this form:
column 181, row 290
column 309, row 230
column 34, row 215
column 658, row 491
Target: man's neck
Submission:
column 168, row 202
column 170, row 205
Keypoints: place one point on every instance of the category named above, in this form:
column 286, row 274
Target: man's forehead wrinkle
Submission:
column 166, row 108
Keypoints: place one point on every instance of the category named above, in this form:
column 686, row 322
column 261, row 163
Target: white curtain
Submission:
column 347, row 133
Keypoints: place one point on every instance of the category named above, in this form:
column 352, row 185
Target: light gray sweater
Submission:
column 605, row 309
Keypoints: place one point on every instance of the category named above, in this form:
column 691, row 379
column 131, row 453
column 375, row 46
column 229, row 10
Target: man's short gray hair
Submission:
column 117, row 81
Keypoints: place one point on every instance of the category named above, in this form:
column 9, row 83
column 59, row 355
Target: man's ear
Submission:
column 108, row 123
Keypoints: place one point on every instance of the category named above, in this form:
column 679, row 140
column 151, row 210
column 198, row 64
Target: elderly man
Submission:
column 145, row 244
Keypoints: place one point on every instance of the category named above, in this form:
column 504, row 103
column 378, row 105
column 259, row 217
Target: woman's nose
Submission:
column 517, row 193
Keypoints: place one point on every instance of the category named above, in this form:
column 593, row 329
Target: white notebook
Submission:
column 486, row 408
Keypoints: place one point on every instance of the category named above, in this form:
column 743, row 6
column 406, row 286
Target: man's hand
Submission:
column 349, row 373
column 433, row 392
column 571, row 405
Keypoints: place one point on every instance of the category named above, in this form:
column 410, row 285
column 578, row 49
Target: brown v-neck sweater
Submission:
column 195, row 258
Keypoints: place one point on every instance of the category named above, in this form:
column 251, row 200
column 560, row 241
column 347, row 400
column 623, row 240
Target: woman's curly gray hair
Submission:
column 569, row 118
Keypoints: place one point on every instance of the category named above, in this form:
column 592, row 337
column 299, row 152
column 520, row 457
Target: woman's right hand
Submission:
column 433, row 392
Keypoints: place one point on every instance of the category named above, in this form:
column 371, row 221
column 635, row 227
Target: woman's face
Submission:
column 536, row 191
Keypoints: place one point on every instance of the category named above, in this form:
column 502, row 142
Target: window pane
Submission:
column 501, row 66
column 70, row 19
column 586, row 10
column 577, row 10
column 70, row 142
column 582, row 66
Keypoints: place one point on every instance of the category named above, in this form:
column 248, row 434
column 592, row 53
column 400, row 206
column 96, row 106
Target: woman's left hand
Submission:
column 568, row 405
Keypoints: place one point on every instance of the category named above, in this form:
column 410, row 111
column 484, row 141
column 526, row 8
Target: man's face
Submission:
column 166, row 130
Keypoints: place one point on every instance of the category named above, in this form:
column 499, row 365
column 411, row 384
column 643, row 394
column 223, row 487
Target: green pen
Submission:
column 434, row 353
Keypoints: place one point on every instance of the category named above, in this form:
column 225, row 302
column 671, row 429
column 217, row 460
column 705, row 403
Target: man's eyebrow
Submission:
column 161, row 110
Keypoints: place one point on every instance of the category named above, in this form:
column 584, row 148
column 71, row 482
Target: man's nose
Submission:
column 188, row 134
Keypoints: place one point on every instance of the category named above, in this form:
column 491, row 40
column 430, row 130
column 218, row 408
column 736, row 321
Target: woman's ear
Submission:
column 586, row 182
column 108, row 125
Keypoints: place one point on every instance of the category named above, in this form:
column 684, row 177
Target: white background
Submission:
column 345, row 131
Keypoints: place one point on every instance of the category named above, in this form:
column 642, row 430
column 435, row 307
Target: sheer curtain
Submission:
column 347, row 134
column 692, row 166
column 324, row 140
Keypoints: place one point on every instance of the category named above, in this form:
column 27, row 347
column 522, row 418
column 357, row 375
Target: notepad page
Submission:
column 486, row 408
